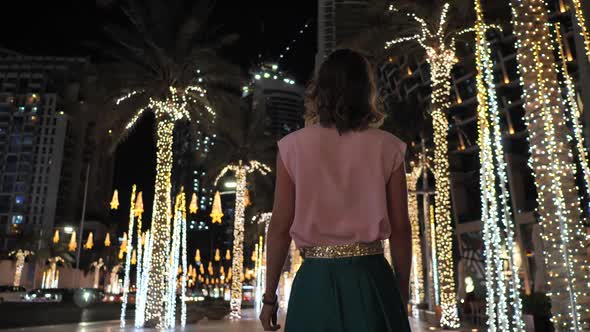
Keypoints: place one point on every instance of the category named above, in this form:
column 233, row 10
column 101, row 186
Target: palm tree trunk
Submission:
column 417, row 275
column 20, row 263
column 441, row 62
column 238, row 246
column 160, row 224
column 554, row 169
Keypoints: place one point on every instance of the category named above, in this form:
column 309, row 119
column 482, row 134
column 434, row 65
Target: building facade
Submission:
column 338, row 20
column 44, row 140
column 277, row 96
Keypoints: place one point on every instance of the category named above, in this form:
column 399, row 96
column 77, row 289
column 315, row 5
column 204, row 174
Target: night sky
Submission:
column 63, row 27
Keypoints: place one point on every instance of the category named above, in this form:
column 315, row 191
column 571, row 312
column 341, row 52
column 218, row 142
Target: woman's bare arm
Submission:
column 278, row 238
column 400, row 240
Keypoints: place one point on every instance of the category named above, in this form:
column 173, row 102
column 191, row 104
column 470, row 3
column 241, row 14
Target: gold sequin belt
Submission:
column 341, row 251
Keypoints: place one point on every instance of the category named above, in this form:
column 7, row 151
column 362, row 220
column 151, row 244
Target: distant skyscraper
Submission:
column 36, row 143
column 279, row 97
column 338, row 20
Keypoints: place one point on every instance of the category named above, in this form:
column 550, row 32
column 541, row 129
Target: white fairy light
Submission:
column 573, row 110
column 241, row 171
column 551, row 159
column 127, row 96
column 417, row 276
column 493, row 167
column 142, row 293
column 128, row 258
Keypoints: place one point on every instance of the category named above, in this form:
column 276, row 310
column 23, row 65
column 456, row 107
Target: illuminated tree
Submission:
column 242, row 148
column 20, row 256
column 437, row 38
column 97, row 266
column 503, row 303
column 553, row 167
column 164, row 59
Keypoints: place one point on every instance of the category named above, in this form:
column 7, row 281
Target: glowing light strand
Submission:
column 183, row 277
column 551, row 160
column 141, row 252
column 581, row 20
column 262, row 218
column 490, row 142
column 241, row 171
column 160, row 225
column 128, row 258
column 142, row 294
column 573, row 110
column 174, row 262
column 417, row 276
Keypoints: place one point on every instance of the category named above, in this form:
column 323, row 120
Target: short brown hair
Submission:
column 344, row 93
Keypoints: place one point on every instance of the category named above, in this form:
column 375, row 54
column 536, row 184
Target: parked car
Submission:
column 50, row 295
column 12, row 293
column 84, row 297
column 109, row 297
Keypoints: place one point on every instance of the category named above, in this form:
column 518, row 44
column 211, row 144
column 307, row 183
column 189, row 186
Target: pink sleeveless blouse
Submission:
column 340, row 184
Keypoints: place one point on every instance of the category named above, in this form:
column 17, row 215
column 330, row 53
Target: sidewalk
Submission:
column 249, row 323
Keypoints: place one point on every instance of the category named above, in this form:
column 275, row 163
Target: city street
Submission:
column 248, row 324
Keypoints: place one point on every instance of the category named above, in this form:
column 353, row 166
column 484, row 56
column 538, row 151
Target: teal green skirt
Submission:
column 356, row 294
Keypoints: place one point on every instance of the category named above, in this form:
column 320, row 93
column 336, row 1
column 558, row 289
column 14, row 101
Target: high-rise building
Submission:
column 41, row 151
column 338, row 20
column 278, row 96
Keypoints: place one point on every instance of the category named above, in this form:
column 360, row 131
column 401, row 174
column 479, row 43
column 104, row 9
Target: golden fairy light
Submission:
column 124, row 243
column 217, row 255
column 115, row 200
column 89, row 242
column 20, row 256
column 139, row 205
column 193, row 207
column 201, row 269
column 56, row 236
column 247, row 201
column 216, row 211
column 210, row 268
column 581, row 21
column 439, row 45
column 107, row 240
column 227, row 255
column 241, row 171
column 198, row 256
column 73, row 245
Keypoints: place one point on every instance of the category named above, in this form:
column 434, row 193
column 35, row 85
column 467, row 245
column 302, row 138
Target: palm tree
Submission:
column 437, row 38
column 20, row 256
column 242, row 148
column 166, row 54
column 552, row 162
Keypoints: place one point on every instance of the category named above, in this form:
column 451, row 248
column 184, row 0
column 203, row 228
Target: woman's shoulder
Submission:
column 388, row 139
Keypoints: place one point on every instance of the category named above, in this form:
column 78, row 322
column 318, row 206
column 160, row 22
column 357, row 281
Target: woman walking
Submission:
column 340, row 191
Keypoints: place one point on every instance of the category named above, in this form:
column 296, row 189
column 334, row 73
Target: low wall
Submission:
column 32, row 278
